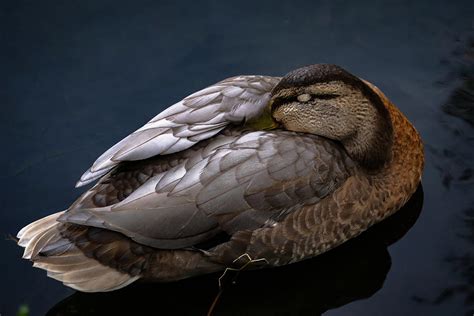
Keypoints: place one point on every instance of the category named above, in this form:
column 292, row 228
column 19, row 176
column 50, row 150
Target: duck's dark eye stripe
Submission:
column 326, row 96
column 294, row 98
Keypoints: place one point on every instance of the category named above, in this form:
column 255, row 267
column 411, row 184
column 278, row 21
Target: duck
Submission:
column 251, row 172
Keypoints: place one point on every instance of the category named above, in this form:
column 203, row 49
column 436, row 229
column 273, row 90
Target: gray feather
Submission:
column 235, row 181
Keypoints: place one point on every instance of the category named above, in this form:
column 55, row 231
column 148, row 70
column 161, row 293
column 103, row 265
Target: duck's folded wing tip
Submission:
column 81, row 182
column 91, row 175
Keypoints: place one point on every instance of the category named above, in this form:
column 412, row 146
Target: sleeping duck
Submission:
column 252, row 171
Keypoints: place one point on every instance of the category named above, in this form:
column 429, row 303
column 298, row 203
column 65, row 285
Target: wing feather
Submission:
column 197, row 117
column 238, row 180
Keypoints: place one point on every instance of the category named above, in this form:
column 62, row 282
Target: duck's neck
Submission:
column 403, row 173
column 371, row 144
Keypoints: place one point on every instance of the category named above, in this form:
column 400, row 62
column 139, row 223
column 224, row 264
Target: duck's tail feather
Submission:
column 64, row 262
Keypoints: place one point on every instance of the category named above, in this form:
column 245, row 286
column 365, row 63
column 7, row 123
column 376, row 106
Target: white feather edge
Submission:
column 72, row 268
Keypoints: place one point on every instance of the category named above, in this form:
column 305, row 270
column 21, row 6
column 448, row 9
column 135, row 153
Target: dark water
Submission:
column 79, row 75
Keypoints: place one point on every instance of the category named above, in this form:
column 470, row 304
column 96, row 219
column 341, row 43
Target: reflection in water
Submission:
column 461, row 100
column 461, row 105
column 353, row 271
column 455, row 164
column 463, row 265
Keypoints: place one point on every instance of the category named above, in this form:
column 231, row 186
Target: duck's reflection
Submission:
column 355, row 270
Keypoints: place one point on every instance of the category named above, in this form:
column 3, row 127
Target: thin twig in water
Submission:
column 221, row 284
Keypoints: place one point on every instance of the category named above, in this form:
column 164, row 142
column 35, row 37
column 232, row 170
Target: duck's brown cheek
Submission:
column 284, row 116
column 292, row 119
column 291, row 122
column 285, row 113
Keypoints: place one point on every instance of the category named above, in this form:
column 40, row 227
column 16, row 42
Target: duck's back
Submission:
column 238, row 180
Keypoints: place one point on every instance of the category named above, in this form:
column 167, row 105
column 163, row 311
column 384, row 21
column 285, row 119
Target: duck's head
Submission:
column 328, row 101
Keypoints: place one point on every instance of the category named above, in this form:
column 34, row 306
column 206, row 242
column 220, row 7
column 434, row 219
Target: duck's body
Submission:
column 212, row 186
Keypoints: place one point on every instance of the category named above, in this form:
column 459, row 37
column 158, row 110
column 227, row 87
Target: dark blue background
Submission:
column 77, row 76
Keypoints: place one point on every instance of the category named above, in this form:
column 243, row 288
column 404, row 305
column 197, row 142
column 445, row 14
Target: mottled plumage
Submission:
column 280, row 169
column 238, row 181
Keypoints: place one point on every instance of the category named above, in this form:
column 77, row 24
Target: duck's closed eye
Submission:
column 323, row 96
column 304, row 97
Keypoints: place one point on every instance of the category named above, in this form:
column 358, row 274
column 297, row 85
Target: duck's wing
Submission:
column 232, row 182
column 198, row 116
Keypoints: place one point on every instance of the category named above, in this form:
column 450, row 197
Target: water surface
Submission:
column 78, row 76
